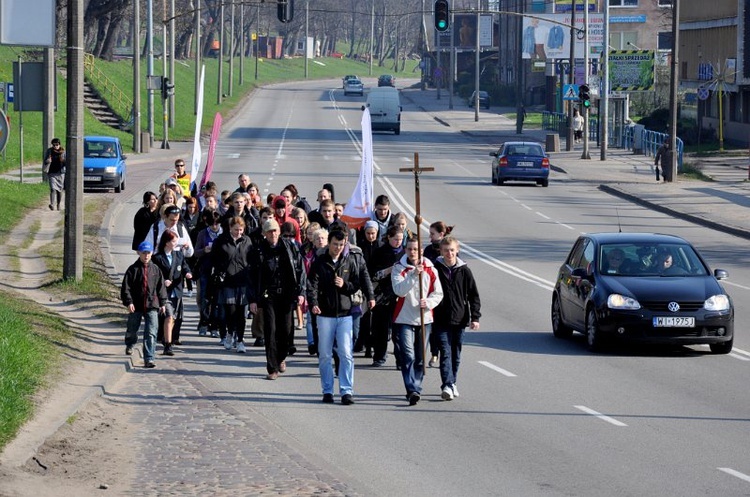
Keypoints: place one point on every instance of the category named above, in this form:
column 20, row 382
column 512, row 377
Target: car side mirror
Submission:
column 123, row 157
column 721, row 274
column 493, row 154
column 580, row 272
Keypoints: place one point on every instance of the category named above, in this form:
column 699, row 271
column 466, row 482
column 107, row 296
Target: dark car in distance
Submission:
column 520, row 161
column 641, row 287
column 484, row 99
column 386, row 80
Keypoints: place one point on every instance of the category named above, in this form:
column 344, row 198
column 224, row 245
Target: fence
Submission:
column 557, row 121
column 120, row 102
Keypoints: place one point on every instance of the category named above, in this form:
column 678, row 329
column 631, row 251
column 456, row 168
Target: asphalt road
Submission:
column 536, row 415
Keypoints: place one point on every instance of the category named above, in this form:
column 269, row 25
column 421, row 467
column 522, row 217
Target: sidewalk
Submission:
column 722, row 204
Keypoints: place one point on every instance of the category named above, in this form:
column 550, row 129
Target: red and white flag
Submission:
column 359, row 208
column 215, row 131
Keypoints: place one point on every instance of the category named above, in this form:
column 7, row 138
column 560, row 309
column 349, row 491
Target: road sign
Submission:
column 570, row 92
column 9, row 92
column 702, row 93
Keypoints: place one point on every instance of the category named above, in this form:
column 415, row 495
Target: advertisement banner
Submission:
column 464, row 32
column 631, row 70
column 548, row 36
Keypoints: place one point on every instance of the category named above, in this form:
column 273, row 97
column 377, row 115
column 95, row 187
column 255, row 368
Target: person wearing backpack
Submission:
column 170, row 220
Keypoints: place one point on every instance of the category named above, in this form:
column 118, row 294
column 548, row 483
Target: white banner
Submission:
column 359, row 208
column 197, row 151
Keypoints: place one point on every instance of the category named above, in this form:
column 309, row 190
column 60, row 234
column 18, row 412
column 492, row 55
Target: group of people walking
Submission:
column 353, row 290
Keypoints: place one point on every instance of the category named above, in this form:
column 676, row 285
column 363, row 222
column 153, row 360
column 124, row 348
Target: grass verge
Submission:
column 28, row 356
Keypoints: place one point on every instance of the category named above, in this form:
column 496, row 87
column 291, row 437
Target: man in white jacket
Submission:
column 406, row 277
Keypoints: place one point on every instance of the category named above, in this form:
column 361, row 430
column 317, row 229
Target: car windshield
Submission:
column 650, row 259
column 92, row 148
column 525, row 149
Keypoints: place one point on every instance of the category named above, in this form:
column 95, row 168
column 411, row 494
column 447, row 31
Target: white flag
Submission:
column 359, row 208
column 197, row 151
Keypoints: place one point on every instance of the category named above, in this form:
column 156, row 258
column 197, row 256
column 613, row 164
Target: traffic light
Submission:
column 285, row 10
column 584, row 95
column 442, row 15
column 167, row 88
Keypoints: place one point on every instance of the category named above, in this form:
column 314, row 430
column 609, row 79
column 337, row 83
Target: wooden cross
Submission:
column 418, row 221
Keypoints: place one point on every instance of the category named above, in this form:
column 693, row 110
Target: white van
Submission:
column 385, row 109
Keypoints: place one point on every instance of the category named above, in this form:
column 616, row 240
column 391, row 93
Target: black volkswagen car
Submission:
column 641, row 287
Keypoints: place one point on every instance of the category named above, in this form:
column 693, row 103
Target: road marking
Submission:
column 742, row 355
column 564, row 225
column 542, row 215
column 233, row 156
column 735, row 473
column 526, row 207
column 600, row 416
column 740, row 351
column 737, row 356
column 725, row 282
column 495, row 368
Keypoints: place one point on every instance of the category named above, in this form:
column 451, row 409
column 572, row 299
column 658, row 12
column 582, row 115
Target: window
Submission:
column 623, row 3
column 624, row 40
column 665, row 3
column 664, row 41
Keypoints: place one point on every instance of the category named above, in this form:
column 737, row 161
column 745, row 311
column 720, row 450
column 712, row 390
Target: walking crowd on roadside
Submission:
column 277, row 265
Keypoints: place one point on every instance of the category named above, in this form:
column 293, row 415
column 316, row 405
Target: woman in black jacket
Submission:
column 230, row 256
column 145, row 218
column 380, row 267
column 175, row 270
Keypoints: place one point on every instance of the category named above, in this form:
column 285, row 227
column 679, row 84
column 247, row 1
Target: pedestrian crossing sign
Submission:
column 570, row 92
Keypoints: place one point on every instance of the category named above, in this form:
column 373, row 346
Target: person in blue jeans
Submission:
column 333, row 278
column 460, row 307
column 407, row 275
column 144, row 293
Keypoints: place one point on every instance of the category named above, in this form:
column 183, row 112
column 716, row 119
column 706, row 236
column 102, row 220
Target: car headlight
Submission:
column 717, row 303
column 617, row 301
column 111, row 169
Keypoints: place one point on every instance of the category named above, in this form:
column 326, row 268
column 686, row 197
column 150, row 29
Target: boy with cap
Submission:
column 144, row 294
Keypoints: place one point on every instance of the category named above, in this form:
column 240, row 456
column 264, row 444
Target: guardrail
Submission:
column 120, row 102
column 650, row 142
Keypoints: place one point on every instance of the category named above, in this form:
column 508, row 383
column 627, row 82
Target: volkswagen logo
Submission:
column 673, row 306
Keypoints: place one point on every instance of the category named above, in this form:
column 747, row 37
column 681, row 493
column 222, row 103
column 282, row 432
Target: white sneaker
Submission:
column 202, row 331
column 455, row 390
column 228, row 342
column 222, row 342
column 241, row 348
column 214, row 334
column 433, row 361
column 447, row 393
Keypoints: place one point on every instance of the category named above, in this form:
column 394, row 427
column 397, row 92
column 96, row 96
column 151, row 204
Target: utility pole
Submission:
column 242, row 43
column 165, row 76
column 48, row 117
column 372, row 35
column 519, row 70
column 673, row 83
column 136, row 77
column 476, row 66
column 220, row 58
column 171, row 60
column 604, row 93
column 257, row 40
column 231, row 49
column 73, row 232
column 198, row 53
column 586, row 155
column 571, row 70
column 452, row 63
column 307, row 32
column 150, row 68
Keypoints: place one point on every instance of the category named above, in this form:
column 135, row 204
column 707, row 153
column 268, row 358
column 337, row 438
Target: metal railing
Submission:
column 120, row 102
column 557, row 121
column 650, row 142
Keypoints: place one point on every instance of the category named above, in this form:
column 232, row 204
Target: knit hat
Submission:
column 371, row 224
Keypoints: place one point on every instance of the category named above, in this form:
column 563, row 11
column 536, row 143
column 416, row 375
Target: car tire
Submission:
column 122, row 185
column 397, row 131
column 494, row 178
column 544, row 183
column 594, row 339
column 722, row 348
column 559, row 328
column 118, row 186
column 500, row 182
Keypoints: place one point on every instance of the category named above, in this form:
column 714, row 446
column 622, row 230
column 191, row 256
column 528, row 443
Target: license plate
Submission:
column 92, row 178
column 674, row 322
column 525, row 164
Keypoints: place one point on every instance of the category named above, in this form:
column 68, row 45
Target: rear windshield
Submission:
column 525, row 149
column 641, row 259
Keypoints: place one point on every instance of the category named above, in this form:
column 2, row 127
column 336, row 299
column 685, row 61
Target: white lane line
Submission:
column 565, row 225
column 600, row 416
column 735, row 473
column 737, row 356
column 233, row 156
column 542, row 215
column 725, row 282
column 526, row 207
column 495, row 368
column 740, row 351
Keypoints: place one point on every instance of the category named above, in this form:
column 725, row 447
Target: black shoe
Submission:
column 414, row 398
column 347, row 400
column 51, row 208
column 368, row 354
column 328, row 398
column 150, row 365
column 128, row 350
column 259, row 342
column 176, row 342
column 168, row 350
column 378, row 364
column 358, row 348
column 312, row 349
column 292, row 350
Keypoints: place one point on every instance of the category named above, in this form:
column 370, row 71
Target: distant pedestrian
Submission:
column 664, row 158
column 460, row 307
column 412, row 309
column 54, row 166
column 577, row 126
column 144, row 294
column 145, row 218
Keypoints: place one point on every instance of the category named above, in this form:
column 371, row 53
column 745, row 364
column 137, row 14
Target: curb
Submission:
column 731, row 230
